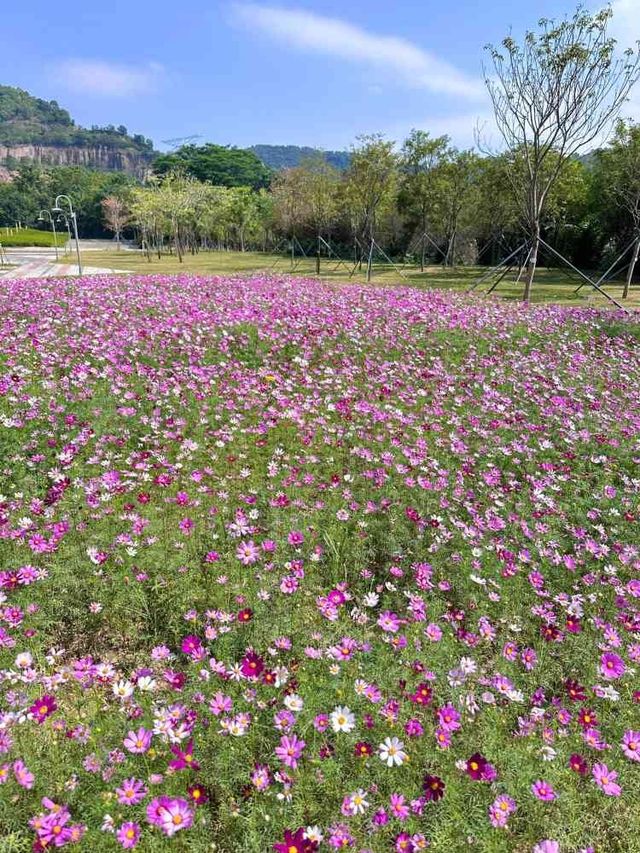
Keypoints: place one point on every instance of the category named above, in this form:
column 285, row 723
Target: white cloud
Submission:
column 96, row 77
column 308, row 31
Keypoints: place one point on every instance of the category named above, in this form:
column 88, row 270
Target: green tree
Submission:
column 617, row 185
column 420, row 157
column 221, row 165
column 371, row 187
column 455, row 191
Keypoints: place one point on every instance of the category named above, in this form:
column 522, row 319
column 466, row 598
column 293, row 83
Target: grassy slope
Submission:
column 10, row 237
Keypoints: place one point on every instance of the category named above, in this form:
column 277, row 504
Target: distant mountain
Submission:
column 34, row 130
column 288, row 156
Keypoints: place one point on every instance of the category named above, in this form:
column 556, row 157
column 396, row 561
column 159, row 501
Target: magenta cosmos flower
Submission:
column 479, row 769
column 433, row 788
column 611, row 666
column 43, row 708
column 184, row 758
column 295, row 842
column 251, row 665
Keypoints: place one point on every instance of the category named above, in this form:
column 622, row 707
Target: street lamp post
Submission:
column 64, row 218
column 72, row 216
column 42, row 217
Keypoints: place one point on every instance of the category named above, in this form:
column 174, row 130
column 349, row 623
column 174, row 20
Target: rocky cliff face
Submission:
column 101, row 157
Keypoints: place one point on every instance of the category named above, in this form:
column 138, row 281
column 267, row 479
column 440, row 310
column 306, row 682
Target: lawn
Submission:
column 552, row 285
column 18, row 237
column 294, row 566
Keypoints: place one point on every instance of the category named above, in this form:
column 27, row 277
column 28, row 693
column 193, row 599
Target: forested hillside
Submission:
column 289, row 156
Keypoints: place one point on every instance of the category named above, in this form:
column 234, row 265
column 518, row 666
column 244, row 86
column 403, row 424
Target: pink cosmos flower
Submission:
column 389, row 621
column 24, row 776
column 261, row 777
column 631, row 745
column 128, row 834
column 290, row 750
column 398, row 808
column 52, row 829
column 500, row 811
column 170, row 814
column 543, row 791
column 546, row 846
column 443, row 738
column 611, row 666
column 131, row 792
column 605, row 779
column 192, row 645
column 248, row 553
column 449, row 718
column 138, row 742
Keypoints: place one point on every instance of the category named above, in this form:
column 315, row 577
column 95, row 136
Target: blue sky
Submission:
column 301, row 72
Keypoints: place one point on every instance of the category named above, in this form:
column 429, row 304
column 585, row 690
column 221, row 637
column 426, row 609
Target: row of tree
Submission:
column 426, row 201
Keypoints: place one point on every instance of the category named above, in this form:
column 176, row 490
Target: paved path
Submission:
column 41, row 263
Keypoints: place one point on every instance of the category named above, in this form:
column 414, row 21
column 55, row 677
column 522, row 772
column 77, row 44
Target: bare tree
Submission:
column 553, row 95
column 116, row 215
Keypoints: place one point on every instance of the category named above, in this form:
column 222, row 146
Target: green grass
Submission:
column 551, row 285
column 15, row 237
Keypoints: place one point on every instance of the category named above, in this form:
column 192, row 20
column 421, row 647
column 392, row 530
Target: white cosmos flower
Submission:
column 391, row 751
column 294, row 702
column 342, row 720
column 358, row 801
column 123, row 689
column 314, row 833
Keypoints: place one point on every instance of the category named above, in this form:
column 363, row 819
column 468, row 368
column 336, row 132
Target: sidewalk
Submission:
column 41, row 263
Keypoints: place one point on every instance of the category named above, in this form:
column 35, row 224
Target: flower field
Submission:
column 293, row 567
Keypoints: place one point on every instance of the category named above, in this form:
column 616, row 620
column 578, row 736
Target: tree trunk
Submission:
column 369, row 261
column 632, row 266
column 422, row 254
column 533, row 262
column 449, row 257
